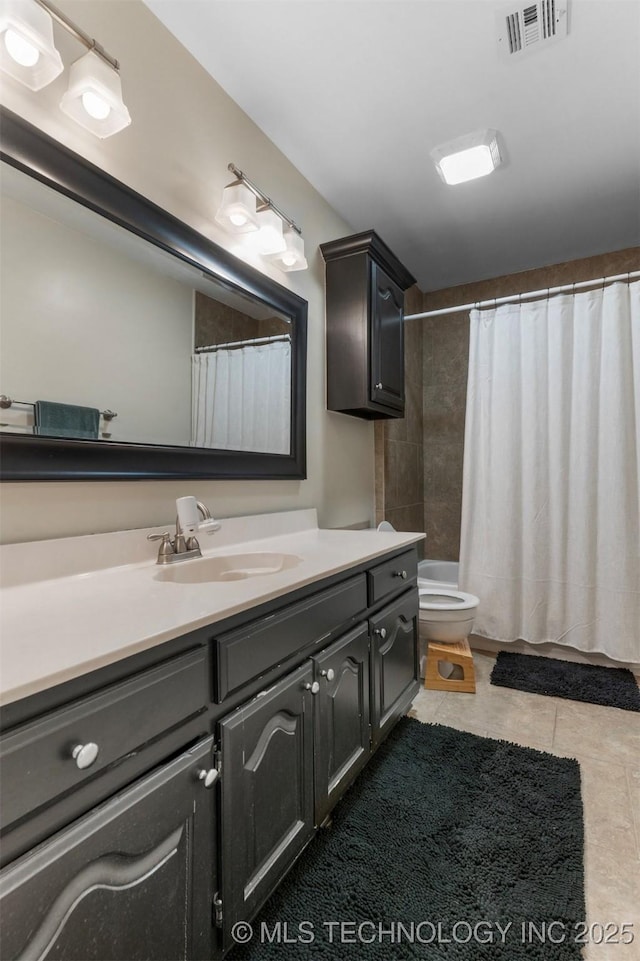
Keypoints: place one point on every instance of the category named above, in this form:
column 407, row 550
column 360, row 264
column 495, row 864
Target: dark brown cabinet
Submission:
column 267, row 792
column 394, row 659
column 130, row 880
column 343, row 732
column 365, row 284
column 209, row 769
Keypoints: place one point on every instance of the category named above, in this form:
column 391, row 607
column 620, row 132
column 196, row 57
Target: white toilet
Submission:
column 446, row 614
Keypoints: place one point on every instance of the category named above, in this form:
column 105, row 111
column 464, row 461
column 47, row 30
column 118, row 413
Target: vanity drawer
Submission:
column 392, row 576
column 251, row 650
column 37, row 760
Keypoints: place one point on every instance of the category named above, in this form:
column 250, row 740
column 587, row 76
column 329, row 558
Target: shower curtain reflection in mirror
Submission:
column 242, row 396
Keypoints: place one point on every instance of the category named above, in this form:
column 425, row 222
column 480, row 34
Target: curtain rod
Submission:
column 516, row 298
column 256, row 342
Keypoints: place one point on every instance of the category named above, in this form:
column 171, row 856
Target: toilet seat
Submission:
column 438, row 599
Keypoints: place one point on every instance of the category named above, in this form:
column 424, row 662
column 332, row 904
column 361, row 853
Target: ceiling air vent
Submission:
column 531, row 27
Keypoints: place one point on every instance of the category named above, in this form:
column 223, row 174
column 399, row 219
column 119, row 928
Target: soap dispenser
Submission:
column 188, row 522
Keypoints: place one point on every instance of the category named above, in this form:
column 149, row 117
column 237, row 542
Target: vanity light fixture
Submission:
column 237, row 212
column 27, row 53
column 467, row 158
column 266, row 229
column 94, row 96
column 292, row 257
column 269, row 238
column 27, row 50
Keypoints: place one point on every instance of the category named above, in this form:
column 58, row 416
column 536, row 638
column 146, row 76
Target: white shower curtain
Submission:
column 551, row 498
column 242, row 398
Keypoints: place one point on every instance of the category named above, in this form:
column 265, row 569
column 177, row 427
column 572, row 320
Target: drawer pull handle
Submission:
column 330, row 674
column 382, row 631
column 85, row 754
column 208, row 777
column 402, row 574
column 314, row 688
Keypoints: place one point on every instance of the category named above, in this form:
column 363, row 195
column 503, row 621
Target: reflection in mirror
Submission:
column 109, row 338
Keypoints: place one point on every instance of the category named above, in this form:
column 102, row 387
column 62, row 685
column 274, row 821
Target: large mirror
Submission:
column 131, row 345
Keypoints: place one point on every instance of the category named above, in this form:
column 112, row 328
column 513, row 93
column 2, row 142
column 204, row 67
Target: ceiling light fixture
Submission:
column 27, row 53
column 467, row 158
column 268, row 231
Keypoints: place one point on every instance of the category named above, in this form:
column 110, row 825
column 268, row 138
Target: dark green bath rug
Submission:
column 448, row 846
column 607, row 686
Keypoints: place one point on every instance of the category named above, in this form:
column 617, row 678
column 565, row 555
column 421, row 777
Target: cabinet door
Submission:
column 267, row 792
column 394, row 662
column 387, row 340
column 343, row 734
column 130, row 880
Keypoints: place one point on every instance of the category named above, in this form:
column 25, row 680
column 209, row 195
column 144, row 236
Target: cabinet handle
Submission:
column 85, row 754
column 382, row 631
column 378, row 386
column 330, row 674
column 208, row 777
column 402, row 574
column 314, row 688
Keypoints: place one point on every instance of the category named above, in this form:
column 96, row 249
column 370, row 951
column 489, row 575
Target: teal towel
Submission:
column 66, row 420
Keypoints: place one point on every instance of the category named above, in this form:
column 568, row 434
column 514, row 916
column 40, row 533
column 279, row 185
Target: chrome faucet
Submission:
column 181, row 547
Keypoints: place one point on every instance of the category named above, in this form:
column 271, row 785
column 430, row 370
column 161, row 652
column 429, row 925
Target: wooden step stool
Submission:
column 459, row 654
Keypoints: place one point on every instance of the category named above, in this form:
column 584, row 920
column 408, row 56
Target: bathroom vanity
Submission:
column 158, row 781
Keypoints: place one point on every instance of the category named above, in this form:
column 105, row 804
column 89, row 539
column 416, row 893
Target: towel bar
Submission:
column 6, row 402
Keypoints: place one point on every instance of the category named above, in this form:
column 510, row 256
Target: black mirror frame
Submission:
column 24, row 457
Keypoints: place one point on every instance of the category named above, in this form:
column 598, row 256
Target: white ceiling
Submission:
column 357, row 92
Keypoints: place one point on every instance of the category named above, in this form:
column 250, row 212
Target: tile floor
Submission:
column 606, row 742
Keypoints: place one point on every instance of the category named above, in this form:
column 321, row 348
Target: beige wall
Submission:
column 82, row 330
column 185, row 130
column 446, row 359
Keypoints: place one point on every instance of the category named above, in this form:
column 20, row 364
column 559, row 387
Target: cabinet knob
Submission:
column 381, row 631
column 85, row 754
column 330, row 674
column 314, row 688
column 379, row 386
column 208, row 777
column 402, row 574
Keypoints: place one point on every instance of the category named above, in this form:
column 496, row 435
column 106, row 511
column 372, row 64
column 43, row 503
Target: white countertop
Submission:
column 72, row 605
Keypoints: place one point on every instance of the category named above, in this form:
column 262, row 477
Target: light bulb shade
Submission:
column 237, row 212
column 466, row 158
column 94, row 97
column 269, row 238
column 27, row 51
column 292, row 257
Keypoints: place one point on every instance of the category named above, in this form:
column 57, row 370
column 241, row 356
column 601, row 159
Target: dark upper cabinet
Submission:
column 365, row 284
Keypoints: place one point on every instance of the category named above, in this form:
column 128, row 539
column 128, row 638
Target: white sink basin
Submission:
column 228, row 567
